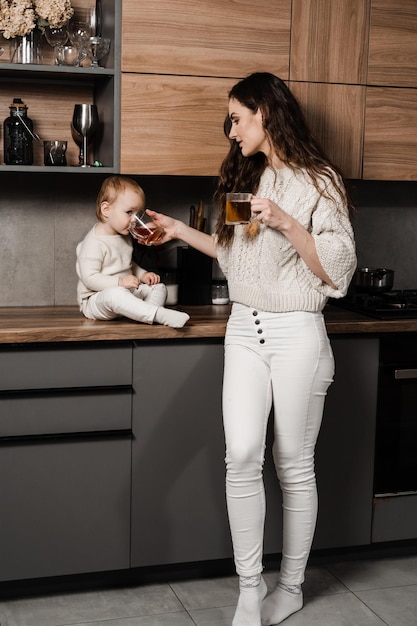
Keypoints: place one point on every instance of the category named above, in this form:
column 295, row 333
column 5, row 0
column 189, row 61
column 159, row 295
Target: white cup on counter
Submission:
column 219, row 293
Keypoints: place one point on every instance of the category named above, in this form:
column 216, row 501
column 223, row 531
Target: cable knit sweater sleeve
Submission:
column 332, row 231
column 267, row 272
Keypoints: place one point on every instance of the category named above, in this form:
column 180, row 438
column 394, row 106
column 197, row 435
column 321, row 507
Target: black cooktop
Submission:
column 384, row 306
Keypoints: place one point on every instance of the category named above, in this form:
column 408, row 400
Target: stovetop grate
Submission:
column 396, row 304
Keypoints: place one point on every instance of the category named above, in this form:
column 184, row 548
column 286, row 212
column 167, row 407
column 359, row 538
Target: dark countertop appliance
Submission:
column 194, row 272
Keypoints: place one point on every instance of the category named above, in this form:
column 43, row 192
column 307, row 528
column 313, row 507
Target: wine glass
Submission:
column 79, row 141
column 99, row 47
column 56, row 36
column 85, row 123
column 79, row 34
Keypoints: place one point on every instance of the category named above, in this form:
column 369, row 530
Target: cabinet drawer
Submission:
column 394, row 518
column 63, row 412
column 64, row 367
column 65, row 507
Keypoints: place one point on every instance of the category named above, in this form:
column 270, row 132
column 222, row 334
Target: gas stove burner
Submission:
column 386, row 305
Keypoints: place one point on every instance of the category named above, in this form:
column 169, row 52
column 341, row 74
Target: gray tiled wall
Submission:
column 386, row 228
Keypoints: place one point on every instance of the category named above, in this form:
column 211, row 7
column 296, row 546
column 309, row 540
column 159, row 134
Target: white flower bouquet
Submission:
column 20, row 17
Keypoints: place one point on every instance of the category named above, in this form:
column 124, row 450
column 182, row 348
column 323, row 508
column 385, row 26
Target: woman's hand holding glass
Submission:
column 176, row 229
column 267, row 212
column 169, row 225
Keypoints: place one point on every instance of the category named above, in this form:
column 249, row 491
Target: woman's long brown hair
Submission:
column 289, row 136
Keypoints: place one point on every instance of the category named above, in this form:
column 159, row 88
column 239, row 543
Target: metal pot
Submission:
column 377, row 280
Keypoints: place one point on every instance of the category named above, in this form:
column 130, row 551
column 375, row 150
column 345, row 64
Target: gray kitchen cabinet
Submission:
column 65, row 459
column 345, row 449
column 112, row 456
column 178, row 505
column 344, row 453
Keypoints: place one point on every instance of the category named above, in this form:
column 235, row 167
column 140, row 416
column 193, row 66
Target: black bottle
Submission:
column 18, row 135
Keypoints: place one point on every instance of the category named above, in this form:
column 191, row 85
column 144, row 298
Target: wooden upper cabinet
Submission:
column 335, row 116
column 329, row 41
column 393, row 43
column 390, row 149
column 227, row 38
column 173, row 124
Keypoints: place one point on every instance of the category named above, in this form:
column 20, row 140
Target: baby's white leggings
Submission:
column 139, row 304
column 284, row 360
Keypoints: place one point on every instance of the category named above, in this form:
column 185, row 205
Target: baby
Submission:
column 110, row 284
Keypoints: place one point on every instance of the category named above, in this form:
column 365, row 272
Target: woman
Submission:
column 281, row 268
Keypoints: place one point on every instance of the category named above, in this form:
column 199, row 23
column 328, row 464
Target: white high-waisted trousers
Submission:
column 284, row 359
column 138, row 304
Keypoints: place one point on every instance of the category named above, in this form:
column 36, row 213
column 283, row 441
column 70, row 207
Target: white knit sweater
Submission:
column 267, row 272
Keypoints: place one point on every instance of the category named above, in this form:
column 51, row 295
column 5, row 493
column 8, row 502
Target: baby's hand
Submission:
column 129, row 282
column 150, row 278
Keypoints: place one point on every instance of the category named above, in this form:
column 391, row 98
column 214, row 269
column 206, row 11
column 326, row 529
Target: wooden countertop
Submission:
column 65, row 323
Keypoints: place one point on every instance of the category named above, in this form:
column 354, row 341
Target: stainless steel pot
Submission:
column 369, row 280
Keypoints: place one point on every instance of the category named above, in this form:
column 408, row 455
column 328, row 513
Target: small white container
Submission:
column 172, row 294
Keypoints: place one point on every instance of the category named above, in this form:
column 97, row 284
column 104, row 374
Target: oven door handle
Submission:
column 401, row 374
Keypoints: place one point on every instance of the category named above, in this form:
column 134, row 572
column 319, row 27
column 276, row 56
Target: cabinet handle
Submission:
column 399, row 374
column 96, row 435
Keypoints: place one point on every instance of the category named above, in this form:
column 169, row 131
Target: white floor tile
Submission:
column 396, row 606
column 377, row 573
column 207, row 593
column 90, row 606
column 214, row 617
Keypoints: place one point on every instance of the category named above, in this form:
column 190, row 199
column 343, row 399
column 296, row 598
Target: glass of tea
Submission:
column 238, row 210
column 144, row 230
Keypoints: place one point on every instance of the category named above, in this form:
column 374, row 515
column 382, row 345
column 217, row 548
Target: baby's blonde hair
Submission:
column 112, row 187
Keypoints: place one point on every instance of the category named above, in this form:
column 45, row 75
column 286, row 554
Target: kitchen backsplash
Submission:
column 386, row 228
column 43, row 217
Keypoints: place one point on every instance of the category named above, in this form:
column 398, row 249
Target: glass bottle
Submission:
column 18, row 135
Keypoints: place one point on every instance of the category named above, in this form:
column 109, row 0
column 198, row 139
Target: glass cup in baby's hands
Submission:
column 238, row 208
column 143, row 229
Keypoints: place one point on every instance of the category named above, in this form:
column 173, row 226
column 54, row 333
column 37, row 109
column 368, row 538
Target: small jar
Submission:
column 18, row 135
column 219, row 293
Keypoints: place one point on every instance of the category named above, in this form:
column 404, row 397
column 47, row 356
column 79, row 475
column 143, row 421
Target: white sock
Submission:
column 280, row 604
column 171, row 317
column 252, row 591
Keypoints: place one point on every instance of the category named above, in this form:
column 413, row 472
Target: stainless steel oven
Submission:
column 395, row 470
column 396, row 421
